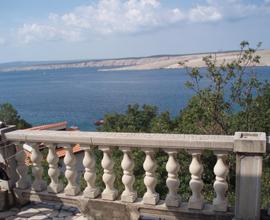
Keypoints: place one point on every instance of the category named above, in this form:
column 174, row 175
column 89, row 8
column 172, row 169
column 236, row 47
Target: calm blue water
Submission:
column 82, row 96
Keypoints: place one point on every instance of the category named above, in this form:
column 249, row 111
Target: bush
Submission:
column 10, row 116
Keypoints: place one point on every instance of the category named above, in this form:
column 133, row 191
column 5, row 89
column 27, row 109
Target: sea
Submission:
column 82, row 96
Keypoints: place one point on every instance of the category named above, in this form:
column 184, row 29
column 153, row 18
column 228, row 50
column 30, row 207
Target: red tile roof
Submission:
column 59, row 151
column 53, row 126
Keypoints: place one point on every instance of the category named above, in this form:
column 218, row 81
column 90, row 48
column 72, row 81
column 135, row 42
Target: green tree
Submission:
column 233, row 99
column 10, row 116
column 137, row 119
column 257, row 117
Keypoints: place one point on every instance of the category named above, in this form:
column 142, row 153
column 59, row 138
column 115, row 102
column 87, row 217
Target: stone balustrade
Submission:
column 248, row 147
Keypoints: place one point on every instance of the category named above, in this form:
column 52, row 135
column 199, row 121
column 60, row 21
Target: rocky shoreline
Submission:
column 143, row 63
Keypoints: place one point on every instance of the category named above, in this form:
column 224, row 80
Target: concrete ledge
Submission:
column 179, row 141
column 6, row 130
column 107, row 210
column 250, row 142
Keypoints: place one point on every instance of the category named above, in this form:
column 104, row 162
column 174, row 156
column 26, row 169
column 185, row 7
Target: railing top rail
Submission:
column 151, row 140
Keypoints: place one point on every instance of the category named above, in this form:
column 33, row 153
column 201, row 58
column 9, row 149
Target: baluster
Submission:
column 109, row 193
column 151, row 196
column 37, row 170
column 89, row 162
column 72, row 187
column 172, row 167
column 21, row 169
column 128, row 179
column 53, row 172
column 221, row 171
column 196, row 184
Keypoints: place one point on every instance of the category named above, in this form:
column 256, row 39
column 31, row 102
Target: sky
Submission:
column 35, row 30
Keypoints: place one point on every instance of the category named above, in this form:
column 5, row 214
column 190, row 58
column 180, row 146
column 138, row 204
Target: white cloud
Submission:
column 130, row 16
column 204, row 14
column 110, row 16
column 36, row 32
column 104, row 17
column 237, row 9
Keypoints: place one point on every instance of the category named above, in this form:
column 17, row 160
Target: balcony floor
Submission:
column 38, row 211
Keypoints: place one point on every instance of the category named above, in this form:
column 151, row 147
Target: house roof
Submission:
column 61, row 152
column 54, row 126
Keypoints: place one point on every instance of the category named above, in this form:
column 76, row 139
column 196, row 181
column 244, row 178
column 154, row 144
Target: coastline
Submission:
column 192, row 61
column 143, row 63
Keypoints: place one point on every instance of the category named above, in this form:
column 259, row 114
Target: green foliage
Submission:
column 9, row 115
column 162, row 123
column 231, row 98
column 257, row 115
column 134, row 120
column 234, row 99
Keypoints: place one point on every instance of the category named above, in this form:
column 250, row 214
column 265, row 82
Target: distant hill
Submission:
column 32, row 63
column 131, row 63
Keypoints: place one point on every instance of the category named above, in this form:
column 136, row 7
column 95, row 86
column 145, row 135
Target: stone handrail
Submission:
column 178, row 141
column 248, row 147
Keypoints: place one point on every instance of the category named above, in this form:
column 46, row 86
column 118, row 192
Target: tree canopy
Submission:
column 10, row 116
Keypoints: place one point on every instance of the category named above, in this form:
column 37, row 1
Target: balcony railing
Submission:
column 109, row 204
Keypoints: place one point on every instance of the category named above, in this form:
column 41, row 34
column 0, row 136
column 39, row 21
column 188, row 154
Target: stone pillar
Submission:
column 53, row 172
column 89, row 162
column 172, row 182
column 249, row 148
column 21, row 169
column 221, row 171
column 109, row 193
column 128, row 179
column 150, row 181
column 37, row 170
column 7, row 151
column 196, row 201
column 72, row 188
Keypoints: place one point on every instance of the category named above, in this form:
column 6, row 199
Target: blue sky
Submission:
column 83, row 29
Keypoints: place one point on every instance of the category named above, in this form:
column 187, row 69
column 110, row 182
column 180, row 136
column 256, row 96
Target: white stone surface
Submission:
column 128, row 179
column 172, row 182
column 248, row 186
column 109, row 193
column 89, row 162
column 151, row 197
column 196, row 201
column 37, row 170
column 21, row 169
column 250, row 142
column 141, row 140
column 72, row 187
column 221, row 171
column 53, row 172
column 27, row 213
